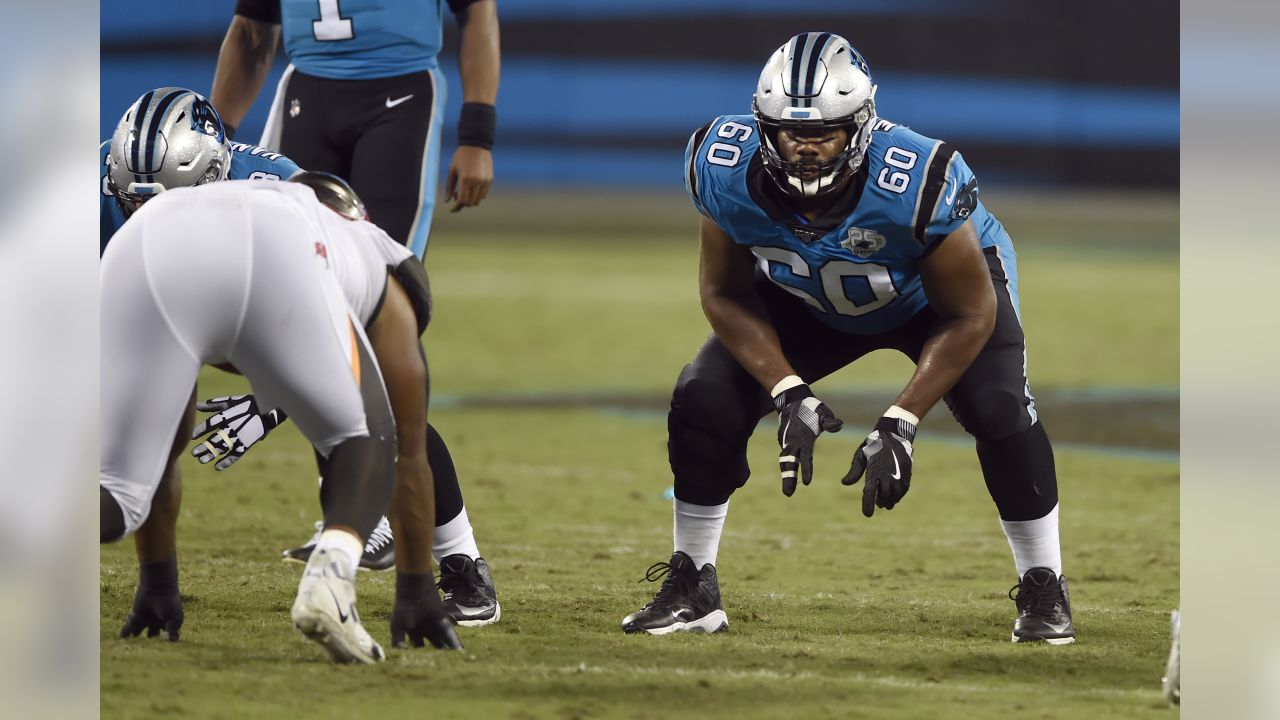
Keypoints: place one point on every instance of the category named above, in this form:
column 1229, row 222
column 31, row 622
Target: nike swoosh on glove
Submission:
column 237, row 426
column 885, row 457
column 801, row 419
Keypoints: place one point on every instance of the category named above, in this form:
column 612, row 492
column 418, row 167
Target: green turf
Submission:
column 832, row 615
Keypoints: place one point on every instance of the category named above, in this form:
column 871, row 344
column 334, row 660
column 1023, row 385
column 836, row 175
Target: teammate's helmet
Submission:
column 815, row 81
column 169, row 138
column 334, row 193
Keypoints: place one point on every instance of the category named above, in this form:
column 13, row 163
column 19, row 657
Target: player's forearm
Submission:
column 947, row 354
column 413, row 513
column 478, row 53
column 742, row 326
column 243, row 64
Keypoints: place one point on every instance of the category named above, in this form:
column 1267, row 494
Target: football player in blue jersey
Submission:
column 363, row 98
column 172, row 137
column 827, row 233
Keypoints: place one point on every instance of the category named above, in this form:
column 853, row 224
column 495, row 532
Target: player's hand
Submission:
column 419, row 620
column 236, row 427
column 470, row 175
column 885, row 457
column 154, row 613
column 801, row 419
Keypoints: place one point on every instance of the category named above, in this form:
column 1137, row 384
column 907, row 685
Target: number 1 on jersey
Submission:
column 331, row 25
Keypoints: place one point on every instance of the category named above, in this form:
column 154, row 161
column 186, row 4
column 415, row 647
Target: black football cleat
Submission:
column 1044, row 608
column 688, row 601
column 379, row 549
column 469, row 595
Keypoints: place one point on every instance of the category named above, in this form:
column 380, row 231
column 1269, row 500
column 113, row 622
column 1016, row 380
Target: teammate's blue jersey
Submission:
column 248, row 162
column 861, row 277
column 362, row 39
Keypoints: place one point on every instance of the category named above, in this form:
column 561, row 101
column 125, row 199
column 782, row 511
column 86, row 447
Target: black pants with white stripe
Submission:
column 717, row 404
column 381, row 135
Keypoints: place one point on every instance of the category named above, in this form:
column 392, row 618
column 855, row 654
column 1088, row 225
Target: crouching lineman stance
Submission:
column 291, row 280
column 828, row 233
column 170, row 138
column 363, row 97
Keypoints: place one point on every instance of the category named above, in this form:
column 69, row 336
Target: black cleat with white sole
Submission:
column 379, row 549
column 1044, row 608
column 688, row 601
column 469, row 595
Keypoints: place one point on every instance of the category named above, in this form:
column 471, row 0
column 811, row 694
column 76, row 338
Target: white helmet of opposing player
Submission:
column 815, row 81
column 170, row 138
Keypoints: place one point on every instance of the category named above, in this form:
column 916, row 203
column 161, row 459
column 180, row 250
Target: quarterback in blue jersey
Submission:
column 363, row 98
column 177, row 135
column 827, row 233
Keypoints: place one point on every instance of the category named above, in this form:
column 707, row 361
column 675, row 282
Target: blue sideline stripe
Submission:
column 619, row 97
column 120, row 19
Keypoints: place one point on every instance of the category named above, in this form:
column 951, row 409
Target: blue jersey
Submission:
column 860, row 276
column 248, row 162
column 362, row 39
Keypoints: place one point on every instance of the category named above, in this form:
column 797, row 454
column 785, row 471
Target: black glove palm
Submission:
column 885, row 457
column 801, row 419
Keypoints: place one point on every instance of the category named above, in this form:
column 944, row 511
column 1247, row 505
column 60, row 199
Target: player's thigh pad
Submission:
column 299, row 345
column 993, row 400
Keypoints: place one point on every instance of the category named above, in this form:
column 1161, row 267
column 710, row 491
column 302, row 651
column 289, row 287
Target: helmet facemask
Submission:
column 790, row 175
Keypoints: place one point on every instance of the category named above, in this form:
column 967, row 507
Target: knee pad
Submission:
column 991, row 414
column 111, row 525
column 707, row 432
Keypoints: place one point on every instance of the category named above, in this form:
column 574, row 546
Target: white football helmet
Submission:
column 816, row 80
column 171, row 137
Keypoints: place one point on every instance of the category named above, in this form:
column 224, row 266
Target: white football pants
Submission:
column 218, row 274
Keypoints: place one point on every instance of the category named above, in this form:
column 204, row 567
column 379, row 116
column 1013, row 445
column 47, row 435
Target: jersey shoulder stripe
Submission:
column 691, row 154
column 937, row 169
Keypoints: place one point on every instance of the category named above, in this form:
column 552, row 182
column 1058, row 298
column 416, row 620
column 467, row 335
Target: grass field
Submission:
column 831, row 614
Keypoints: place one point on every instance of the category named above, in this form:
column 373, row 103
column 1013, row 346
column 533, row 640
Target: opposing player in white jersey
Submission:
column 295, row 284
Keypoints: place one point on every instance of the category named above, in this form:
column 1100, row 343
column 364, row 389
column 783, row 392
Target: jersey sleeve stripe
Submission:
column 691, row 170
column 935, row 178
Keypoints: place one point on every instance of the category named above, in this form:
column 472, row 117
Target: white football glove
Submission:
column 236, row 427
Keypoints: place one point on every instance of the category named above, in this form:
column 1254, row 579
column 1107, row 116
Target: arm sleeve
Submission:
column 267, row 11
column 457, row 6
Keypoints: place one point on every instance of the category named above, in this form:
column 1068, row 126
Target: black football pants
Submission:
column 717, row 404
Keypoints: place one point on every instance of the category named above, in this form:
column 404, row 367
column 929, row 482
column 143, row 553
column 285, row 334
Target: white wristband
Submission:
column 786, row 384
column 898, row 413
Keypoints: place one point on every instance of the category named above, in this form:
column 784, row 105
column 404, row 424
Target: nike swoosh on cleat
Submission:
column 473, row 611
column 392, row 103
column 897, row 471
column 1058, row 628
column 342, row 617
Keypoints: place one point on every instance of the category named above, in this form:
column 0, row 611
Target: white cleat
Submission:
column 325, row 610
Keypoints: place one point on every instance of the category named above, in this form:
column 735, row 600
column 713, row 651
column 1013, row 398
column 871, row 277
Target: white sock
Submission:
column 343, row 542
column 697, row 530
column 1035, row 542
column 455, row 537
